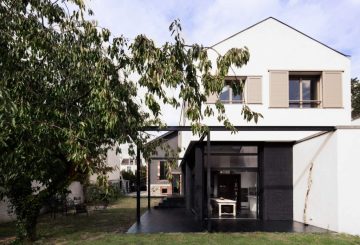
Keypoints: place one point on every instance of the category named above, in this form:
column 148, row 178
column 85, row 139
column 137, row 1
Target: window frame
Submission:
column 305, row 77
column 228, row 82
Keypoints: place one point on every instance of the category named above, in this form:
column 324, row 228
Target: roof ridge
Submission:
column 283, row 23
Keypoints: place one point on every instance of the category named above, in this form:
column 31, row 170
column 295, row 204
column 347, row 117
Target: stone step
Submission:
column 171, row 202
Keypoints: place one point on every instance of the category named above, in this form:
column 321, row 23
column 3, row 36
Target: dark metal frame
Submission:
column 211, row 128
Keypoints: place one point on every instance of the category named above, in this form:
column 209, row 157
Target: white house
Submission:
column 300, row 161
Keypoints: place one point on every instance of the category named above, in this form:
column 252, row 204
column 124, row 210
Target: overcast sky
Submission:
column 333, row 22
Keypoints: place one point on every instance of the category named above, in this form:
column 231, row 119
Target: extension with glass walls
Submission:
column 234, row 181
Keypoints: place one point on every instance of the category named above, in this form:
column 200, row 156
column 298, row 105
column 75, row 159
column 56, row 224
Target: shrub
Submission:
column 102, row 195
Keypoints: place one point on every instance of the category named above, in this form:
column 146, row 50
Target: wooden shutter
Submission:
column 279, row 89
column 332, row 89
column 212, row 98
column 253, row 90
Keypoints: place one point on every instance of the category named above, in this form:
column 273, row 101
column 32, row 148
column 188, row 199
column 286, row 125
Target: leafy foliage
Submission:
column 66, row 97
column 129, row 175
column 355, row 97
column 98, row 194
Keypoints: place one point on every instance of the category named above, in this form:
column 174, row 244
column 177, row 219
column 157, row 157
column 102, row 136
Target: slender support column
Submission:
column 149, row 176
column 138, row 185
column 208, row 180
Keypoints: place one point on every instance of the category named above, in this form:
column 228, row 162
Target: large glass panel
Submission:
column 238, row 186
column 314, row 91
column 236, row 94
column 294, row 92
column 232, row 161
column 309, row 92
column 225, row 94
column 233, row 149
column 306, row 92
column 163, row 170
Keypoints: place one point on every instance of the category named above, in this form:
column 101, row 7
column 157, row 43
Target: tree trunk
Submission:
column 26, row 227
column 30, row 227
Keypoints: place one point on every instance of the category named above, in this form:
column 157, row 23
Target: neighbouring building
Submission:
column 161, row 182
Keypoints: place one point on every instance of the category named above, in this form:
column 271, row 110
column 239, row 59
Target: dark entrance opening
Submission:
column 175, row 182
column 234, row 180
column 228, row 187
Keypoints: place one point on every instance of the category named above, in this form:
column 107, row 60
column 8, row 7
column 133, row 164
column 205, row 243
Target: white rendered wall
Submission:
column 274, row 46
column 334, row 198
column 4, row 214
column 322, row 205
column 114, row 160
column 76, row 190
column 349, row 180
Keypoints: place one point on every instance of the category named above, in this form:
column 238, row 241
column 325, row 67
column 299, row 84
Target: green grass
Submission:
column 108, row 227
column 116, row 219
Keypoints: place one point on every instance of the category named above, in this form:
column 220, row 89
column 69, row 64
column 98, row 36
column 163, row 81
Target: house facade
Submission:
column 305, row 169
column 163, row 179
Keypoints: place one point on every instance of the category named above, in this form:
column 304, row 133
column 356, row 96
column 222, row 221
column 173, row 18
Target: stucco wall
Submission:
column 76, row 190
column 322, row 205
column 334, row 200
column 4, row 214
column 274, row 46
column 348, row 180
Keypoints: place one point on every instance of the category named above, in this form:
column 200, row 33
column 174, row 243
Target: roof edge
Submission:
column 285, row 25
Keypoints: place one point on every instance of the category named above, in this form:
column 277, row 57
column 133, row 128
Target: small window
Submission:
column 163, row 170
column 304, row 91
column 163, row 190
column 231, row 92
column 125, row 161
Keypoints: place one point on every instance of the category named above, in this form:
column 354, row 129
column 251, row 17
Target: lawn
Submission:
column 108, row 226
column 116, row 219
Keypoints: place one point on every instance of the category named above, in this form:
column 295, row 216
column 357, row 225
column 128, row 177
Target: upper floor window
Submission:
column 231, row 92
column 127, row 161
column 304, row 91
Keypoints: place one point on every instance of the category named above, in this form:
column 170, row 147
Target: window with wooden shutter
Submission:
column 253, row 90
column 304, row 90
column 212, row 98
column 279, row 89
column 332, row 89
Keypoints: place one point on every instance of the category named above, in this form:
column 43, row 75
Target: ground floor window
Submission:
column 234, row 181
column 235, row 193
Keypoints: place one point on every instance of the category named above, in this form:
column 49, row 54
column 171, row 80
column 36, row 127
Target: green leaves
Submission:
column 189, row 69
column 355, row 97
column 66, row 97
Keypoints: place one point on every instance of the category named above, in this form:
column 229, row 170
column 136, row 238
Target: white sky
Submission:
column 333, row 22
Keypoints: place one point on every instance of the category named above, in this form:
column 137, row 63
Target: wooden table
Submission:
column 225, row 202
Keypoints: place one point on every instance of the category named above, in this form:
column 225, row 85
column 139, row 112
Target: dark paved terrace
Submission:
column 178, row 220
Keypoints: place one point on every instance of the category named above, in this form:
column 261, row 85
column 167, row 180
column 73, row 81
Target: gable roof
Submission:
column 166, row 136
column 284, row 25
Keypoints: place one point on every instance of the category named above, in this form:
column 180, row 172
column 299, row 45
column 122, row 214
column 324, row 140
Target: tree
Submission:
column 355, row 97
column 66, row 96
column 131, row 177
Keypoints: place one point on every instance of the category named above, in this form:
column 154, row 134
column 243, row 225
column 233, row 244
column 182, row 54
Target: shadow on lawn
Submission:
column 117, row 218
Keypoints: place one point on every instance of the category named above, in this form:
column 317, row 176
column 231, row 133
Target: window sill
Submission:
column 312, row 108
